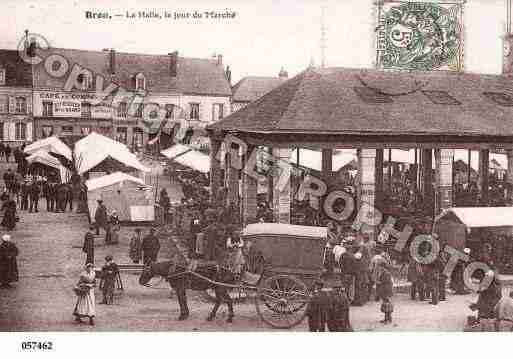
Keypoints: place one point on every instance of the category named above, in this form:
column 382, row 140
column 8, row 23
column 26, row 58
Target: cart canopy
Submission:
column 476, row 217
column 175, row 150
column 285, row 229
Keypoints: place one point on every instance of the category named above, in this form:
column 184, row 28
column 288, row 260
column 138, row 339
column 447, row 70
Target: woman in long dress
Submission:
column 85, row 307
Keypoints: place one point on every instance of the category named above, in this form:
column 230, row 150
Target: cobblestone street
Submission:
column 51, row 259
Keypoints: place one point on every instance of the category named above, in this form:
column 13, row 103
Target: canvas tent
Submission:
column 188, row 157
column 43, row 157
column 175, row 150
column 129, row 196
column 94, row 149
column 50, row 145
column 456, row 226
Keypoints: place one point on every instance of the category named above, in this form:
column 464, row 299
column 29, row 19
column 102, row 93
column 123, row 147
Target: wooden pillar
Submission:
column 390, row 171
column 249, row 192
column 484, row 165
column 366, row 193
column 281, row 182
column 444, row 159
column 215, row 169
column 379, row 179
column 509, row 177
column 232, row 177
column 270, row 182
column 427, row 176
column 327, row 163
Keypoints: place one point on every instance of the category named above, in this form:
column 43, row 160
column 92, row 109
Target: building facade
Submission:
column 251, row 88
column 119, row 94
column 16, row 125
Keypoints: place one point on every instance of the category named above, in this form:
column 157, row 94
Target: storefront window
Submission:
column 194, row 114
column 137, row 139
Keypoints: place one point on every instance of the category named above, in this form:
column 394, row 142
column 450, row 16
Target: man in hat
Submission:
column 100, row 217
column 150, row 247
column 88, row 247
column 24, row 193
column 8, row 263
column 457, row 283
column 34, row 191
column 135, row 253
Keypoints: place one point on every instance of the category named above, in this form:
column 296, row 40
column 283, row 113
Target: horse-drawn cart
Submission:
column 282, row 261
column 287, row 258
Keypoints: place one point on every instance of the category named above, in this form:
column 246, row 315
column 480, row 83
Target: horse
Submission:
column 180, row 279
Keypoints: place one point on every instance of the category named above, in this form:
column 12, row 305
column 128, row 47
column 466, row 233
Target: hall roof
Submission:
column 373, row 102
column 193, row 75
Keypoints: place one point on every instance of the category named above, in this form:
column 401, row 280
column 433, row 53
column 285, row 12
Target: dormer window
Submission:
column 85, row 80
column 140, row 82
column 2, row 77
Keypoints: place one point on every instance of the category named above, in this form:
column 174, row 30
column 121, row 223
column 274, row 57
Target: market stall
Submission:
column 129, row 196
column 477, row 228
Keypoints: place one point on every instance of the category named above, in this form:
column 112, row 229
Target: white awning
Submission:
column 113, row 178
column 43, row 157
column 474, row 217
column 285, row 229
column 175, row 150
column 94, row 149
column 50, row 144
column 195, row 160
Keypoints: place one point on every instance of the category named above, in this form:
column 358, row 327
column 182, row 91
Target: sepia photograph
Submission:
column 273, row 167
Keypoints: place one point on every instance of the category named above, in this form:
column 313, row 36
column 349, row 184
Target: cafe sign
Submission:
column 74, row 104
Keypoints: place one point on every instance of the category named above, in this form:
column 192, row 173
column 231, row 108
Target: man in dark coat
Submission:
column 9, row 207
column 69, row 197
column 488, row 297
column 50, row 196
column 7, row 153
column 34, row 192
column 100, row 217
column 88, row 247
column 415, row 277
column 24, row 192
column 8, row 264
column 212, row 232
column 9, row 180
column 62, row 197
column 150, row 247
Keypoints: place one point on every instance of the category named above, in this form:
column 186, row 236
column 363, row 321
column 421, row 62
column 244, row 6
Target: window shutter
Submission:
column 12, row 104
column 29, row 131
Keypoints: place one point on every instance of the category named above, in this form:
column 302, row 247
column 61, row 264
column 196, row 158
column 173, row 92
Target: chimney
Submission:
column 112, row 62
column 283, row 74
column 219, row 60
column 173, row 63
column 228, row 74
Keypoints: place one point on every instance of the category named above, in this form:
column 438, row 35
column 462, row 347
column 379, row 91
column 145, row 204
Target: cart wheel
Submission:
column 281, row 301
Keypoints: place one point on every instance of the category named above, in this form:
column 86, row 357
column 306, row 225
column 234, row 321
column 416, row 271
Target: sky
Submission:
column 264, row 36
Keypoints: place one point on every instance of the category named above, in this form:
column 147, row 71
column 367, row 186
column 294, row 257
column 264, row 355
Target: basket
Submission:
column 81, row 290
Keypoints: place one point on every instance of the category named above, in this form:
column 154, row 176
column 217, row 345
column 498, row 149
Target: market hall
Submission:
column 433, row 113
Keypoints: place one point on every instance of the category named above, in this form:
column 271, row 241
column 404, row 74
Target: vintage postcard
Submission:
column 272, row 166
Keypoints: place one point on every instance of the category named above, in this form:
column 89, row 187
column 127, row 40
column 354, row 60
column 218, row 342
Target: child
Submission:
column 316, row 310
column 338, row 313
column 384, row 288
column 387, row 307
column 110, row 273
column 234, row 244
